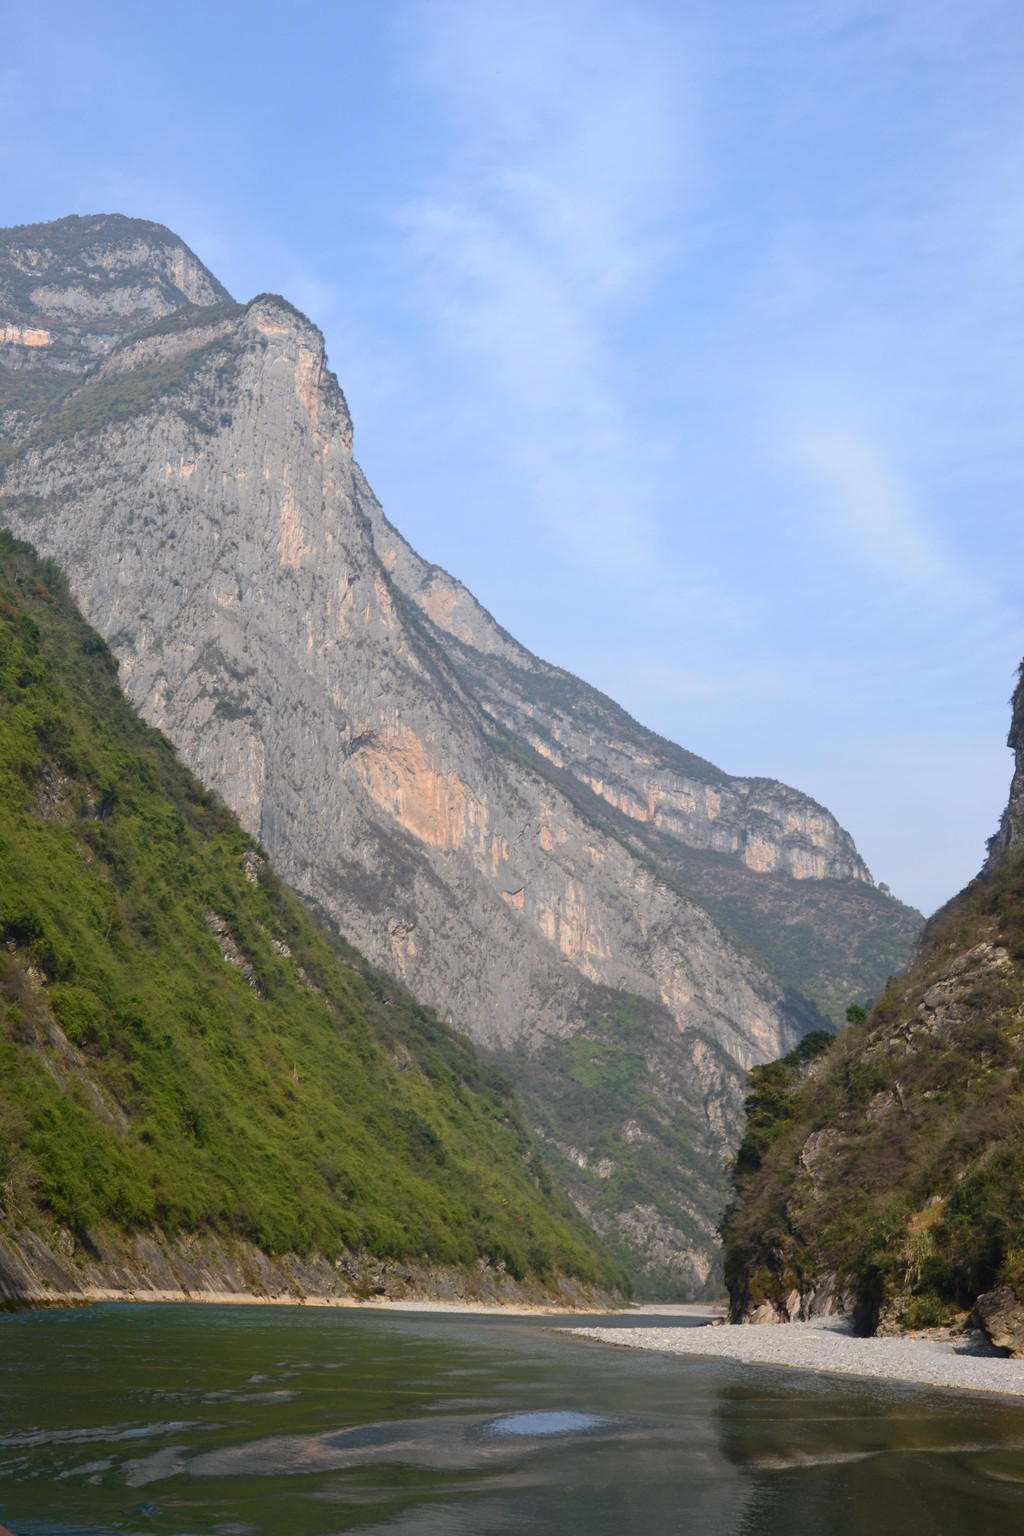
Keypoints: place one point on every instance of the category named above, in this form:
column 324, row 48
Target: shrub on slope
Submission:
column 180, row 1047
column 894, row 1169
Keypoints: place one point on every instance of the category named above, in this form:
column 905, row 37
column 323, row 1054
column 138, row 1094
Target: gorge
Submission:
column 621, row 926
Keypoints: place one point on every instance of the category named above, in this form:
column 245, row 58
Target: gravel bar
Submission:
column 965, row 1362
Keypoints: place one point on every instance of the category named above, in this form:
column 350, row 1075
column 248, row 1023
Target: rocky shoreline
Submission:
column 212, row 1268
column 963, row 1362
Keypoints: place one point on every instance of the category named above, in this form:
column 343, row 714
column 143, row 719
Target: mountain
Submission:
column 885, row 1179
column 190, row 1078
column 622, row 926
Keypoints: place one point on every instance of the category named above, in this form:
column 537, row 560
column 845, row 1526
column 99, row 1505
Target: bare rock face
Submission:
column 498, row 835
column 1000, row 1316
column 761, row 858
column 769, row 826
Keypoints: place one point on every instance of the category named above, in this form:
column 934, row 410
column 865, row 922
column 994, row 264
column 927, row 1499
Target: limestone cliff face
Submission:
column 765, row 860
column 470, row 817
column 225, row 558
column 769, row 826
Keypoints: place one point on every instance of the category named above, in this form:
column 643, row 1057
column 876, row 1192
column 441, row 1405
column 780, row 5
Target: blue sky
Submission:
column 688, row 335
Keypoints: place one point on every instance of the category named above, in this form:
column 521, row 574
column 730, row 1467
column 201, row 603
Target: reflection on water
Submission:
column 551, row 1422
column 210, row 1421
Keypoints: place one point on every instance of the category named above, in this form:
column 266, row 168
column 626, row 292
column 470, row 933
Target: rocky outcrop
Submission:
column 824, row 1298
column 1000, row 1316
column 495, row 833
column 72, row 289
column 1010, row 834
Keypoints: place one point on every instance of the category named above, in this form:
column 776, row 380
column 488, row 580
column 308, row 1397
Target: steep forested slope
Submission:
column 887, row 1178
column 180, row 1048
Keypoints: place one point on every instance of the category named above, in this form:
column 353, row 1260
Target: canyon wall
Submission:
column 497, row 834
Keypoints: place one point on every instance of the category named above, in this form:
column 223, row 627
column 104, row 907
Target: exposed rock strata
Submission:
column 501, row 837
column 768, row 826
column 71, row 290
column 55, row 1270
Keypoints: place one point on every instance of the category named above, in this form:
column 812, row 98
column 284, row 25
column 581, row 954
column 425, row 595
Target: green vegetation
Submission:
column 620, row 1093
column 123, row 396
column 896, row 1162
column 772, row 1102
column 180, row 1046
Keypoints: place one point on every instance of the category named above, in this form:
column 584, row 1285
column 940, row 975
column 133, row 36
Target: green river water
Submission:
column 240, row 1421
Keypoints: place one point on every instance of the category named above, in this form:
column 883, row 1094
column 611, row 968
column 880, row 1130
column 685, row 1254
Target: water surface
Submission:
column 239, row 1421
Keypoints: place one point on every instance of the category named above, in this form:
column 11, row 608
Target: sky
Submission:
column 688, row 335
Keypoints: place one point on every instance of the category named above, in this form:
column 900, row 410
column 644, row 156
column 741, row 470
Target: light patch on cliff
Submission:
column 291, row 545
column 434, row 805
column 24, row 336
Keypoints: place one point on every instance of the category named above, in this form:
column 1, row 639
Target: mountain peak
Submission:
column 72, row 288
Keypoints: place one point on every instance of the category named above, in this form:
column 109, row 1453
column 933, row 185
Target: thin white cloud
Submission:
column 548, row 223
column 869, row 509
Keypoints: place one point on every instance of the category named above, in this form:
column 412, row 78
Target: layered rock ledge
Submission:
column 154, row 1267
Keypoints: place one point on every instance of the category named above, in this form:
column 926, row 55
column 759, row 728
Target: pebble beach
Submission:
column 965, row 1362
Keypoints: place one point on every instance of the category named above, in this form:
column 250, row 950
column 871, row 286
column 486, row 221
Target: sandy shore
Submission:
column 965, row 1363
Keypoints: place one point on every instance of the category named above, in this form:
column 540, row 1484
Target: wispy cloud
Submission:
column 866, row 507
column 547, row 225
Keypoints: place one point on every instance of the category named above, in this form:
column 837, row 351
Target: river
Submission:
column 281, row 1421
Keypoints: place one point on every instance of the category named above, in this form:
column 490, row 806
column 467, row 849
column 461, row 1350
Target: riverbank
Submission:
column 215, row 1270
column 963, row 1362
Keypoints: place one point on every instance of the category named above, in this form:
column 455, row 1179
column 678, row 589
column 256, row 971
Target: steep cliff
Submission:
column 623, row 924
column 190, row 1081
column 887, row 1180
column 773, row 867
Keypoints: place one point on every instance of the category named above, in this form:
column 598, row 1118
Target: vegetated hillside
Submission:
column 622, row 925
column 888, row 1178
column 180, row 1049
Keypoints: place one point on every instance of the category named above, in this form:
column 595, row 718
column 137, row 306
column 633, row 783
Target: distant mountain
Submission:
column 886, row 1179
column 190, row 1080
column 622, row 925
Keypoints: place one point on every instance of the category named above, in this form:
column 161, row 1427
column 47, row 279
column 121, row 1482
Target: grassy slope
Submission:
column 144, row 1081
column 616, row 1092
column 913, row 1188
